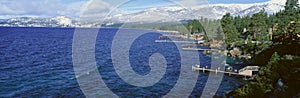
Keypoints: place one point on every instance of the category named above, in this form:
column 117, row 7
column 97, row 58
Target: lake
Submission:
column 37, row 62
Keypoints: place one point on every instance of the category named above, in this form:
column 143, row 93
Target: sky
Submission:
column 137, row 5
column 235, row 1
column 76, row 8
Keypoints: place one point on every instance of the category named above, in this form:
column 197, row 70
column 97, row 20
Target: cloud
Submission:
column 85, row 8
column 51, row 8
column 48, row 8
column 95, row 8
column 191, row 3
column 138, row 5
column 278, row 1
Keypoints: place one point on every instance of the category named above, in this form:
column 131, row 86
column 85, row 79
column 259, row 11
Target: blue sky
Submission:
column 235, row 1
column 73, row 8
column 145, row 4
column 137, row 5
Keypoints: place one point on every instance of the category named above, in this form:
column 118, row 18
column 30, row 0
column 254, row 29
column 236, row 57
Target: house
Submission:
column 242, row 69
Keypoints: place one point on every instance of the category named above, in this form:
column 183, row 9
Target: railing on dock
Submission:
column 203, row 69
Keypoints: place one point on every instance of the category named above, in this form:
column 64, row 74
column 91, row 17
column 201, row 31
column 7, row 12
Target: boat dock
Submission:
column 198, row 49
column 171, row 36
column 171, row 41
column 169, row 31
column 198, row 68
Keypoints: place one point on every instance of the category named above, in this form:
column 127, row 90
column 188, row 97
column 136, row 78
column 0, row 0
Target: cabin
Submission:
column 242, row 69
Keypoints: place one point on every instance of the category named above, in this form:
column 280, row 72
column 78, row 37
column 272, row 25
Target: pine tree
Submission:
column 219, row 34
column 258, row 26
column 291, row 5
column 230, row 31
column 238, row 23
column 275, row 57
column 288, row 22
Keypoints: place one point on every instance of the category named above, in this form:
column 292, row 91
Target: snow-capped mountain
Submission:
column 60, row 21
column 153, row 14
column 270, row 8
column 216, row 11
column 162, row 14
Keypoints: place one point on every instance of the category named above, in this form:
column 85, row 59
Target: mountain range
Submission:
column 215, row 11
column 162, row 14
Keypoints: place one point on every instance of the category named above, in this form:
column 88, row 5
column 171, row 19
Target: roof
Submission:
column 238, row 66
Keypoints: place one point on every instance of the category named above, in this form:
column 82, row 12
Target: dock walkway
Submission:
column 197, row 68
column 198, row 49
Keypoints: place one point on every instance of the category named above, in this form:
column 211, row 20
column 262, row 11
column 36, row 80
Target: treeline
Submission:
column 173, row 26
column 212, row 28
column 280, row 77
column 252, row 34
column 203, row 25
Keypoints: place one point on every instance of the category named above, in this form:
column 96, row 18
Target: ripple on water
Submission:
column 37, row 62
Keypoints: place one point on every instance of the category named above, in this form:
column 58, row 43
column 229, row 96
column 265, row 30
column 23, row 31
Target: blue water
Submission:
column 37, row 62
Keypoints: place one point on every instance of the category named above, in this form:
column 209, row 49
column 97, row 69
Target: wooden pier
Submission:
column 198, row 49
column 170, row 36
column 198, row 68
column 168, row 31
column 171, row 41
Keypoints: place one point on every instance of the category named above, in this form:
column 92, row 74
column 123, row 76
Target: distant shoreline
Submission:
column 78, row 28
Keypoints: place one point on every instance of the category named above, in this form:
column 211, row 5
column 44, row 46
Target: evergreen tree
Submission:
column 275, row 58
column 238, row 23
column 219, row 34
column 245, row 22
column 258, row 26
column 287, row 27
column 291, row 5
column 230, row 31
